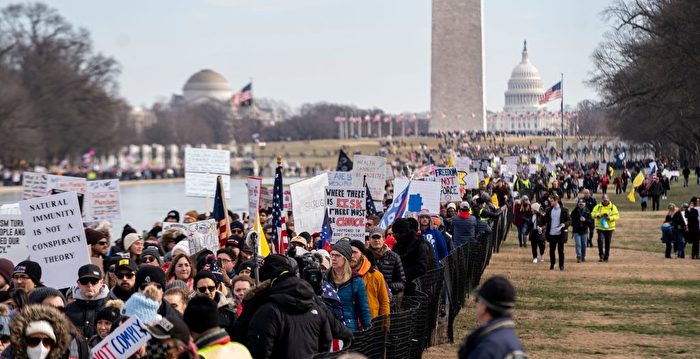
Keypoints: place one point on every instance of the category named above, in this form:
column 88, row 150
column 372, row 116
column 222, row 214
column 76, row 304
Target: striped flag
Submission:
column 220, row 213
column 551, row 94
column 326, row 234
column 277, row 206
column 244, row 97
column 371, row 209
column 396, row 209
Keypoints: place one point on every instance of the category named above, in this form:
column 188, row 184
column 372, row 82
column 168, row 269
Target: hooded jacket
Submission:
column 288, row 323
column 82, row 312
column 389, row 263
column 353, row 295
column 227, row 313
column 437, row 240
column 377, row 293
column 466, row 227
column 37, row 312
column 414, row 257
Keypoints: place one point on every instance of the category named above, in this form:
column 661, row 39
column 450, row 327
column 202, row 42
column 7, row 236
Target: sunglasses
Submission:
column 210, row 288
column 85, row 281
column 144, row 285
column 103, row 243
column 124, row 275
column 236, row 231
column 46, row 342
column 149, row 259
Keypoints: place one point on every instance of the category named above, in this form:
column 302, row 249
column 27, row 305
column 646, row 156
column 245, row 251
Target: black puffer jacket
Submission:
column 290, row 323
column 82, row 312
column 389, row 263
column 414, row 257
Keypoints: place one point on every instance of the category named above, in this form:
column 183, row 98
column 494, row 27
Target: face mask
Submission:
column 38, row 352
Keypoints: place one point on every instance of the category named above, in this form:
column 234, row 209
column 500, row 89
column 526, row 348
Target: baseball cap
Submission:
column 451, row 205
column 376, row 231
column 581, row 201
column 170, row 327
column 464, row 205
column 126, row 263
column 89, row 271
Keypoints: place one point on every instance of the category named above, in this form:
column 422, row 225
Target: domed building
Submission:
column 207, row 84
column 522, row 111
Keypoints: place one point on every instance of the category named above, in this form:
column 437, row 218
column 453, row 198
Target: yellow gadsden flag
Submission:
column 263, row 247
column 636, row 183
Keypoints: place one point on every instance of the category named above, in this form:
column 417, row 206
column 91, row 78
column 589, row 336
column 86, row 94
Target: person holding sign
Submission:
column 38, row 332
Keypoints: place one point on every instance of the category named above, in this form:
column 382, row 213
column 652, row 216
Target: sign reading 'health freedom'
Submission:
column 55, row 237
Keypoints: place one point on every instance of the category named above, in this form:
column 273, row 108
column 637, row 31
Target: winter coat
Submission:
column 519, row 216
column 467, row 227
column 389, row 263
column 32, row 313
column 437, row 240
column 578, row 226
column 289, row 323
column 494, row 340
column 611, row 211
column 564, row 219
column 377, row 292
column 414, row 255
column 82, row 312
column 353, row 295
column 227, row 313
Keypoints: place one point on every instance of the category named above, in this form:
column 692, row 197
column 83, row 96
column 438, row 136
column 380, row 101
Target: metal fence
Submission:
column 428, row 318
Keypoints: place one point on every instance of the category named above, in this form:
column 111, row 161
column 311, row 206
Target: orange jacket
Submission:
column 377, row 293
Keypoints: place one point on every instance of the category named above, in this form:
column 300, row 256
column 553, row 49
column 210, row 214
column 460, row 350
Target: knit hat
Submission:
column 401, row 226
column 249, row 265
column 237, row 225
column 206, row 274
column 5, row 325
column 343, row 247
column 273, row 265
column 173, row 214
column 39, row 294
column 201, row 314
column 325, row 257
column 153, row 252
column 110, row 314
column 31, row 269
column 497, row 294
column 40, row 327
column 452, row 205
column 130, row 239
column 359, row 245
column 535, row 207
column 146, row 309
column 183, row 246
column 6, row 268
column 93, row 236
column 177, row 283
column 150, row 274
column 127, row 230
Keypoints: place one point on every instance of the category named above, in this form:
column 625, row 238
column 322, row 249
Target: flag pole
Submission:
column 562, row 115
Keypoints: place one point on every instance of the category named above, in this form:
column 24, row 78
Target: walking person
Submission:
column 580, row 222
column 680, row 228
column 644, row 193
column 590, row 204
column 537, row 237
column 521, row 215
column 668, row 236
column 656, row 191
column 557, row 220
column 606, row 215
column 692, row 219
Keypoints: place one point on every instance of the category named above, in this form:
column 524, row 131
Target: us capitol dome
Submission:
column 524, row 87
column 207, row 84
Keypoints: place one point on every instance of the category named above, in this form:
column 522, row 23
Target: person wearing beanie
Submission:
column 38, row 332
column 211, row 340
column 208, row 284
column 106, row 321
column 27, row 275
column 414, row 253
column 350, row 287
column 376, row 287
column 151, row 257
column 182, row 247
column 247, row 268
column 99, row 245
column 133, row 245
column 495, row 337
column 282, row 317
column 467, row 227
column 143, row 307
column 153, row 277
column 172, row 216
column 6, row 268
column 91, row 295
column 48, row 296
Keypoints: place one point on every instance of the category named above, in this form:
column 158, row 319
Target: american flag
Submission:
column 551, row 94
column 244, row 97
column 221, row 214
column 396, row 209
column 326, row 234
column 277, row 206
column 371, row 209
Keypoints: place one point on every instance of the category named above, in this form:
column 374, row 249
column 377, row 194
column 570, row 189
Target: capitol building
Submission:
column 522, row 111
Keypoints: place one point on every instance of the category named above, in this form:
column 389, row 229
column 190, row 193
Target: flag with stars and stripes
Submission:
column 551, row 94
column 244, row 97
column 326, row 234
column 371, row 209
column 277, row 206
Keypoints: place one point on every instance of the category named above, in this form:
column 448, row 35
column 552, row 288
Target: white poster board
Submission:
column 472, row 181
column 34, row 185
column 340, row 179
column 429, row 193
column 254, row 185
column 13, row 245
column 123, row 342
column 103, row 200
column 449, row 184
column 55, row 237
column 66, row 183
column 373, row 168
column 346, row 212
column 463, row 163
column 308, row 201
column 202, row 166
column 200, row 235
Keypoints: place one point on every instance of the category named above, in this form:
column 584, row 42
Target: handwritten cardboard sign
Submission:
column 123, row 342
column 346, row 212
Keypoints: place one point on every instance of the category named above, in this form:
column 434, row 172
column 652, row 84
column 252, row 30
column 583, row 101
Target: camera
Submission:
column 309, row 267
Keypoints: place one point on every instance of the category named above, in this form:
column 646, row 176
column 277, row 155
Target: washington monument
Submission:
column 457, row 66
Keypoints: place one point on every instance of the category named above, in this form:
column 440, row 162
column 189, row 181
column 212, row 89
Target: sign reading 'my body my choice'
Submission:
column 55, row 237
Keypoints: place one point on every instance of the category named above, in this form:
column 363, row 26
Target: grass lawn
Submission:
column 637, row 305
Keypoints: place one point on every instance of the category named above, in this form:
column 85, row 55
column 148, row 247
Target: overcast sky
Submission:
column 371, row 53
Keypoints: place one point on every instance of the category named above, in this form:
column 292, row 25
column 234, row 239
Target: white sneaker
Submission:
column 534, row 261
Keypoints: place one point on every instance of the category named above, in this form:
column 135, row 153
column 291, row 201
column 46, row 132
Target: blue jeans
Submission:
column 680, row 245
column 523, row 232
column 581, row 241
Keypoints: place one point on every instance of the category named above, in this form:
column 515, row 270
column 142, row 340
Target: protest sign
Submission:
column 449, row 184
column 55, row 237
column 13, row 245
column 103, row 200
column 551, row 168
column 389, row 172
column 532, row 169
column 254, row 185
column 202, row 166
column 463, row 163
column 428, row 192
column 308, row 201
column 200, row 235
column 340, row 179
column 34, row 185
column 123, row 342
column 346, row 212
column 373, row 169
column 515, row 160
column 66, row 183
column 472, row 181
column 266, row 201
